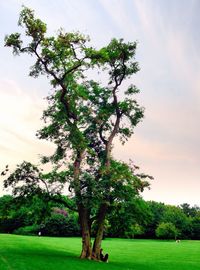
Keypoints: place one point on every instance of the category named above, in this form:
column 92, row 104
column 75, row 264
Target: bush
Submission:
column 59, row 225
column 8, row 225
column 134, row 231
column 28, row 230
column 166, row 231
column 196, row 228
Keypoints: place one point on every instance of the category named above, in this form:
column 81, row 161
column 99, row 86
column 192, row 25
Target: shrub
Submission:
column 59, row 225
column 196, row 228
column 166, row 231
column 8, row 225
column 27, row 230
column 60, row 211
column 134, row 231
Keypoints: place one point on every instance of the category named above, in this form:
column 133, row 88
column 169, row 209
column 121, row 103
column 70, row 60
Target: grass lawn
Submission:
column 45, row 253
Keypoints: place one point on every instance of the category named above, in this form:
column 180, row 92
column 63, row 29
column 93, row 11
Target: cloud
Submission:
column 20, row 114
column 19, row 120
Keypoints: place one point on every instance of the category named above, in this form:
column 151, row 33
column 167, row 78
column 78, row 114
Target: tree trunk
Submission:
column 100, row 230
column 86, row 252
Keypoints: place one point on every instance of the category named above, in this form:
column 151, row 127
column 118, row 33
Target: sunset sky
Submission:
column 166, row 144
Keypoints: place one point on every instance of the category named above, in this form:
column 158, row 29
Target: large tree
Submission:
column 82, row 119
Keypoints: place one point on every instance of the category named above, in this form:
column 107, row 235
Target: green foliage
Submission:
column 6, row 206
column 27, row 230
column 8, row 225
column 59, row 225
column 188, row 210
column 128, row 219
column 25, row 211
column 156, row 213
column 166, row 231
column 133, row 231
column 11, row 216
column 177, row 217
column 88, row 104
column 195, row 227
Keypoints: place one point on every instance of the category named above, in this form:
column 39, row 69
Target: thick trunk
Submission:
column 100, row 229
column 86, row 252
column 82, row 211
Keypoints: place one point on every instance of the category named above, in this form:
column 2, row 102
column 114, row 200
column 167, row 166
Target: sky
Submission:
column 166, row 144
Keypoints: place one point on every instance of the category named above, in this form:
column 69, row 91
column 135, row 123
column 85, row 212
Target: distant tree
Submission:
column 156, row 210
column 176, row 216
column 135, row 230
column 11, row 217
column 195, row 226
column 60, row 225
column 129, row 219
column 166, row 231
column 82, row 119
column 20, row 212
column 6, row 205
column 188, row 210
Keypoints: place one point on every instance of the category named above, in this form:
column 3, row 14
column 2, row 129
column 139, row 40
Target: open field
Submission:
column 45, row 253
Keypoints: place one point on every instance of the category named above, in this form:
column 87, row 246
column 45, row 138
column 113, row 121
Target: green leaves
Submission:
column 132, row 89
column 166, row 231
column 14, row 41
column 118, row 59
column 82, row 92
column 34, row 27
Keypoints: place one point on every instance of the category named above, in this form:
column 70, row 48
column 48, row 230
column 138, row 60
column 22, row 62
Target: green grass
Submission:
column 45, row 253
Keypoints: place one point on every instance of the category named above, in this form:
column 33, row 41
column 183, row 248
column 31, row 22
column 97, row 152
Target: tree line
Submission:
column 138, row 219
